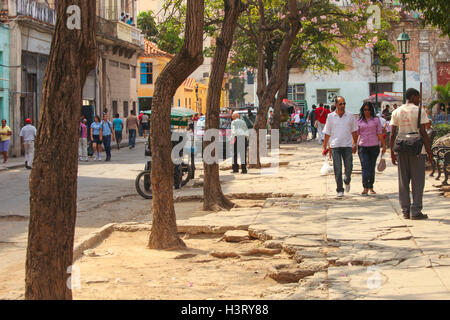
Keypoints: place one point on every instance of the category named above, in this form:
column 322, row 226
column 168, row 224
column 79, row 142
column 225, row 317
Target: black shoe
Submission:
column 28, row 167
column 244, row 172
column 107, row 159
column 420, row 216
column 405, row 215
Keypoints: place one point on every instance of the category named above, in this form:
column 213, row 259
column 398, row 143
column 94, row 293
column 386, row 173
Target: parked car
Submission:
column 224, row 134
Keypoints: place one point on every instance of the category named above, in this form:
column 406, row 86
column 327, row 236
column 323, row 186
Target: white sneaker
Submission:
column 347, row 187
column 87, row 159
column 95, row 158
column 99, row 158
column 340, row 194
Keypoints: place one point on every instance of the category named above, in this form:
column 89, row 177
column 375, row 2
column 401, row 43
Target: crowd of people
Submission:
column 343, row 136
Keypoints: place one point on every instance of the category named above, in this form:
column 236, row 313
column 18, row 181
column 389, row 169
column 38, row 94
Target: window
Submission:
column 125, row 109
column 146, row 73
column 113, row 63
column 250, row 78
column 296, row 92
column 326, row 96
column 134, row 106
column 133, row 72
column 185, row 102
column 114, row 107
column 382, row 87
column 145, row 104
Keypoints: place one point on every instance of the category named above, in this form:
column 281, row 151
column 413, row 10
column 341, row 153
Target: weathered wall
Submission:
column 4, row 73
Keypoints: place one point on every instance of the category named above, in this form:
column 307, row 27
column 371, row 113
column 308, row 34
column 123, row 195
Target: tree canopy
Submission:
column 434, row 12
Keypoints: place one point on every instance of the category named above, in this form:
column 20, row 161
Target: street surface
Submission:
column 356, row 248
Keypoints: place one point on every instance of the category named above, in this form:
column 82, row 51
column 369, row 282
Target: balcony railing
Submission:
column 119, row 30
column 36, row 10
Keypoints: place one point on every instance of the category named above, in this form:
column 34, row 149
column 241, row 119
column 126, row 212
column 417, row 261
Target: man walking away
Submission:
column 341, row 132
column 145, row 124
column 411, row 168
column 27, row 136
column 321, row 114
column 118, row 128
column 82, row 140
column 312, row 119
column 239, row 137
column 132, row 126
column 106, row 136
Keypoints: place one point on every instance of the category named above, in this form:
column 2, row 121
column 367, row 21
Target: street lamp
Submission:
column 376, row 70
column 403, row 48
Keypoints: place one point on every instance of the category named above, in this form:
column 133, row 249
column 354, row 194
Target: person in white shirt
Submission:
column 411, row 168
column 27, row 136
column 239, row 139
column 341, row 133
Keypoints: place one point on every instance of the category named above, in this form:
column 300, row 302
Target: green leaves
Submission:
column 434, row 12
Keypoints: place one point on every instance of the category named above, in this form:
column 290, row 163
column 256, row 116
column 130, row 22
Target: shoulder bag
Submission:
column 410, row 143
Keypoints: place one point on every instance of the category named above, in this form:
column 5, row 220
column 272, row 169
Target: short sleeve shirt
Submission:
column 4, row 131
column 28, row 133
column 368, row 132
column 106, row 127
column 322, row 114
column 340, row 129
column 96, row 128
column 118, row 123
column 405, row 119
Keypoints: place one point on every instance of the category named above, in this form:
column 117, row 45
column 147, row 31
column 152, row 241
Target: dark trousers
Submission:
column 107, row 145
column 132, row 137
column 345, row 155
column 314, row 132
column 411, row 169
column 240, row 147
column 368, row 157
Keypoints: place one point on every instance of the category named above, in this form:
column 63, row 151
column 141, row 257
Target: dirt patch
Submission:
column 122, row 267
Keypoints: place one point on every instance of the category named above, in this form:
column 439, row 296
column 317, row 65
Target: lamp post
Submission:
column 376, row 70
column 403, row 48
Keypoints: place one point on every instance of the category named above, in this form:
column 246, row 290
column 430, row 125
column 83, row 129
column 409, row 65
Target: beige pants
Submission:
column 82, row 148
column 29, row 152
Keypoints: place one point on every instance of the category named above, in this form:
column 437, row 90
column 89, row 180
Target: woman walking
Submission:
column 5, row 136
column 370, row 135
column 96, row 137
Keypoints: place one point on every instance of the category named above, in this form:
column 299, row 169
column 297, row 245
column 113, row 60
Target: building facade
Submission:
column 4, row 73
column 109, row 87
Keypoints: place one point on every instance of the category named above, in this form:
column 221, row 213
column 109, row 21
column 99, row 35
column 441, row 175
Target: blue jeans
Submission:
column 368, row 157
column 107, row 144
column 342, row 154
column 132, row 137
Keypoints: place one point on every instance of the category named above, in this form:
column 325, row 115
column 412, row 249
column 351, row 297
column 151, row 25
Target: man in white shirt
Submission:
column 27, row 136
column 411, row 168
column 239, row 139
column 340, row 132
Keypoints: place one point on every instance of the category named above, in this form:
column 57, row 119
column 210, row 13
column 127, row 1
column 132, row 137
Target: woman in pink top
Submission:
column 370, row 135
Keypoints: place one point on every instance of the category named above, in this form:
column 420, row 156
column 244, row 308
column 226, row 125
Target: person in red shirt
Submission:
column 321, row 116
column 141, row 131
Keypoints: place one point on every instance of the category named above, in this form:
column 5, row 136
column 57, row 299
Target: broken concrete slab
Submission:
column 236, row 236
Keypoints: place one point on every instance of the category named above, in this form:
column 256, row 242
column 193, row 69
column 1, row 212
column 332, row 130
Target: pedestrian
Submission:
column 96, row 138
column 107, row 136
column 321, row 115
column 141, row 132
column 270, row 121
column 82, row 140
column 27, row 136
column 333, row 108
column 132, row 125
column 386, row 112
column 312, row 120
column 406, row 123
column 239, row 138
column 5, row 137
column 394, row 106
column 145, row 123
column 250, row 119
column 370, row 135
column 118, row 128
column 341, row 132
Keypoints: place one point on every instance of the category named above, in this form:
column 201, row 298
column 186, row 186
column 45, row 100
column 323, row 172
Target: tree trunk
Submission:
column 214, row 199
column 164, row 234
column 282, row 94
column 279, row 69
column 53, row 179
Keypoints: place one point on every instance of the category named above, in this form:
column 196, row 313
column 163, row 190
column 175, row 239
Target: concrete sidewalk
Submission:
column 19, row 162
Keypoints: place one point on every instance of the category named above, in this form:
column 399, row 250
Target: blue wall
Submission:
column 4, row 73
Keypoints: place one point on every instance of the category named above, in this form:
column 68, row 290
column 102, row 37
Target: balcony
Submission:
column 36, row 10
column 119, row 30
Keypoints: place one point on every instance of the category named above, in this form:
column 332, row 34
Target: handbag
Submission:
column 381, row 165
column 410, row 143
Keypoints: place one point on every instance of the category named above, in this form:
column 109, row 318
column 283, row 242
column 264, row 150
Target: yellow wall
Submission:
column 185, row 95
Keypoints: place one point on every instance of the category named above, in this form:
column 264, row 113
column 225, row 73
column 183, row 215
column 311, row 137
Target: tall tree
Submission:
column 53, row 180
column 164, row 234
column 214, row 199
column 434, row 12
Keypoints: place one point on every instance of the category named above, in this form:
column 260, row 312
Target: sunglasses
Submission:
column 342, row 104
column 366, row 109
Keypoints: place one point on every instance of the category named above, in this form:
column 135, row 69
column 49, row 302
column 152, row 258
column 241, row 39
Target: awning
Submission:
column 178, row 116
